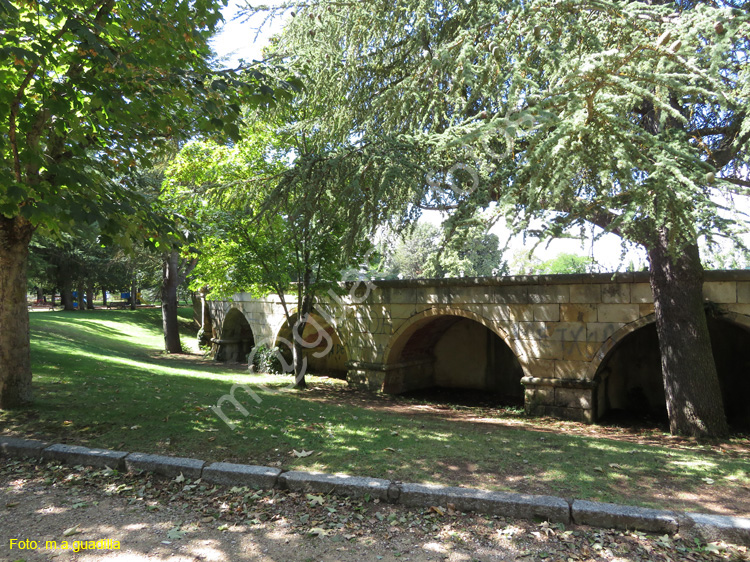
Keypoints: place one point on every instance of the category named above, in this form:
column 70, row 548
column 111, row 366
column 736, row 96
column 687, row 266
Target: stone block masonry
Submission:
column 557, row 327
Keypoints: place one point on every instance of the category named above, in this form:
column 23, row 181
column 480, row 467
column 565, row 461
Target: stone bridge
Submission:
column 570, row 346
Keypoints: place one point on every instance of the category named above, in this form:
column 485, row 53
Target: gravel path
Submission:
column 180, row 521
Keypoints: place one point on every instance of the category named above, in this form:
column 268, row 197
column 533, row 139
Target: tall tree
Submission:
column 291, row 246
column 89, row 89
column 631, row 115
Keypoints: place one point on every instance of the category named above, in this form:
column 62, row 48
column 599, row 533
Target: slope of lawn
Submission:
column 101, row 380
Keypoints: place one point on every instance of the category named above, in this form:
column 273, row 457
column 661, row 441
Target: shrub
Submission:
column 265, row 360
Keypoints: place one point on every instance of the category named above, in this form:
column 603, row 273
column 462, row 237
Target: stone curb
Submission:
column 623, row 517
column 74, row 454
column 15, row 447
column 231, row 474
column 734, row 530
column 494, row 503
column 166, row 466
column 340, row 484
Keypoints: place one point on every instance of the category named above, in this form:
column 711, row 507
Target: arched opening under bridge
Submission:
column 325, row 353
column 458, row 358
column 237, row 338
column 631, row 390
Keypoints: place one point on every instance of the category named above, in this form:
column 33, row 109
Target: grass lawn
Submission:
column 101, row 380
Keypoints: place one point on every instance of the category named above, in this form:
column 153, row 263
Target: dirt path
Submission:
column 182, row 521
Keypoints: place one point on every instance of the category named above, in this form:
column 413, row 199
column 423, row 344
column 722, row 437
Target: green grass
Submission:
column 101, row 380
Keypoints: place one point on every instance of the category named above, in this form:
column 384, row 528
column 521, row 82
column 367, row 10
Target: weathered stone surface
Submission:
column 403, row 310
column 542, row 368
column 618, row 313
column 74, row 454
column 601, row 331
column 15, row 447
column 578, row 312
column 641, row 293
column 579, row 350
column 615, row 516
column 645, row 309
column 510, row 294
column 720, row 291
column 571, row 369
column 494, row 503
column 540, row 349
column 342, row 484
column 735, row 530
column 573, row 398
column 546, row 312
column 549, row 293
column 591, row 294
column 616, row 293
column 231, row 474
column 743, row 292
column 567, row 331
column 166, row 466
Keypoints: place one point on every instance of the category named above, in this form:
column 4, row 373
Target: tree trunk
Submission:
column 90, row 297
column 15, row 356
column 81, row 293
column 40, row 294
column 300, row 365
column 691, row 384
column 133, row 293
column 104, row 297
column 170, row 282
column 66, row 293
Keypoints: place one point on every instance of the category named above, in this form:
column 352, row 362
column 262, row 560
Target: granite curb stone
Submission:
column 711, row 528
column 495, row 503
column 166, row 466
column 232, row 474
column 353, row 486
column 74, row 454
column 604, row 515
column 610, row 515
column 17, row 447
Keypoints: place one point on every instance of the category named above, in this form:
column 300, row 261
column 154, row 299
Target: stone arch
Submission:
column 448, row 347
column 237, row 338
column 411, row 325
column 333, row 362
column 636, row 386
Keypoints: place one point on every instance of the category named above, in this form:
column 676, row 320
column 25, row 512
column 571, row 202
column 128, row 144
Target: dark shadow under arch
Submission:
column 629, row 382
column 453, row 352
column 237, row 338
column 319, row 361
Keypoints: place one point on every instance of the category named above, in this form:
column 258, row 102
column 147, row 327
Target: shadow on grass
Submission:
column 98, row 384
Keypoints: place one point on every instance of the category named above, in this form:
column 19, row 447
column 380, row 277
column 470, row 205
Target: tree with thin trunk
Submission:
column 175, row 272
column 292, row 246
column 631, row 116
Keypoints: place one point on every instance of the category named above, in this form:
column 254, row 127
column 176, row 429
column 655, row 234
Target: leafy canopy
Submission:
column 89, row 89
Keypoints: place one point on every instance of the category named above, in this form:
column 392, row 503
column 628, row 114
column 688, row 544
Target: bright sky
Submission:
column 238, row 41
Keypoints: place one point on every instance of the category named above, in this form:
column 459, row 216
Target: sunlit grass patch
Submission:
column 101, row 380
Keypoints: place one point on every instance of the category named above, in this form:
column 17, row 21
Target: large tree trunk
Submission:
column 15, row 355
column 170, row 283
column 104, row 297
column 81, row 291
column 691, row 384
column 66, row 293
